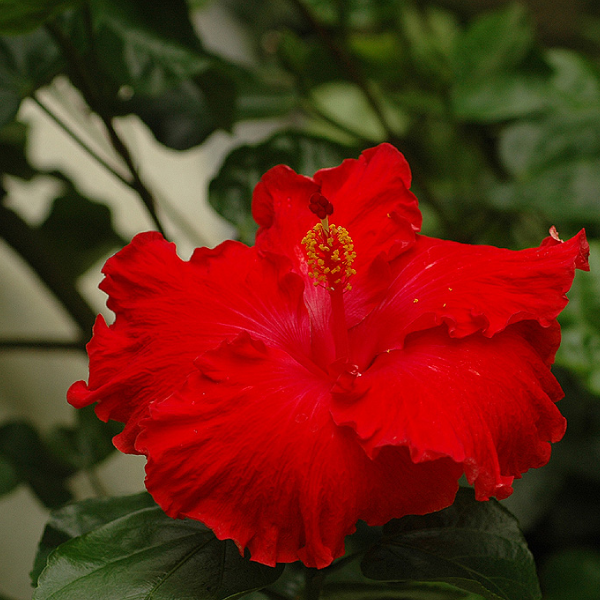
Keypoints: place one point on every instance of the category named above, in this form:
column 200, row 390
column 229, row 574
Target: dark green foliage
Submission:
column 476, row 546
column 134, row 550
column 17, row 16
column 27, row 62
column 79, row 231
column 26, row 458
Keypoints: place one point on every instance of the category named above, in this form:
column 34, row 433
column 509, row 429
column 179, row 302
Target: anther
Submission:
column 320, row 206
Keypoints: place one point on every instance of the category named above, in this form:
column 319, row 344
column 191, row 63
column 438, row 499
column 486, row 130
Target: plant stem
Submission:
column 78, row 140
column 28, row 242
column 94, row 101
column 7, row 344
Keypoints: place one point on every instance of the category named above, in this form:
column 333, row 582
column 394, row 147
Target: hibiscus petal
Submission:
column 371, row 200
column 471, row 288
column 370, row 197
column 169, row 311
column 249, row 448
column 485, row 403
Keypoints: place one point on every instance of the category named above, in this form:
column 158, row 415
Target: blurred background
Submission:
column 119, row 116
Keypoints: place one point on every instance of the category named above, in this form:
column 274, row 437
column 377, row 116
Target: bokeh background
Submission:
column 117, row 114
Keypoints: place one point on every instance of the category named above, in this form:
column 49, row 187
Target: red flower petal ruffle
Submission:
column 470, row 288
column 169, row 311
column 485, row 403
column 249, row 448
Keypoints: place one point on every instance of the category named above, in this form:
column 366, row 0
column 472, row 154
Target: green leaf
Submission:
column 432, row 36
column 230, row 192
column 499, row 73
column 79, row 231
column 79, row 518
column 572, row 574
column 33, row 463
column 345, row 103
column 501, row 97
column 495, row 42
column 575, row 82
column 185, row 115
column 87, row 443
column 411, row 590
column 17, row 16
column 557, row 164
column 308, row 59
column 476, row 546
column 149, row 46
column 146, row 554
column 580, row 347
column 27, row 62
column 9, row 477
column 13, row 160
column 260, row 96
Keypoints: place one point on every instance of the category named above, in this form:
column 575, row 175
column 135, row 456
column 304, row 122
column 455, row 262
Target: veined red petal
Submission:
column 249, row 448
column 169, row 311
column 471, row 288
column 485, row 403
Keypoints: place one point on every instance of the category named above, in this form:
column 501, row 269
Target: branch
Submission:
column 20, row 344
column 94, row 101
column 80, row 142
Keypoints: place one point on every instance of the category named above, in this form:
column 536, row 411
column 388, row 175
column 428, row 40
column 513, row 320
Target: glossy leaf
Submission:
column 79, row 518
column 23, row 15
column 27, row 62
column 230, row 192
column 145, row 553
column 410, row 590
column 476, row 546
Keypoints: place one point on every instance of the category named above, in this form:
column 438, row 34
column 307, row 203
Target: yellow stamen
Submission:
column 330, row 253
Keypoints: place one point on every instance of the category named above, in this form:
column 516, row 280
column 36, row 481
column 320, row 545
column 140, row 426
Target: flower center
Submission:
column 330, row 254
column 329, row 249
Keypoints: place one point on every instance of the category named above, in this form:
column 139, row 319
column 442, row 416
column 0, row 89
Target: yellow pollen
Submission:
column 330, row 255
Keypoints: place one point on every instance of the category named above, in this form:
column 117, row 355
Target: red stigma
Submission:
column 320, row 206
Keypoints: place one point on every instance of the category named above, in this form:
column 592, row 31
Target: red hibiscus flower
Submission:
column 343, row 368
